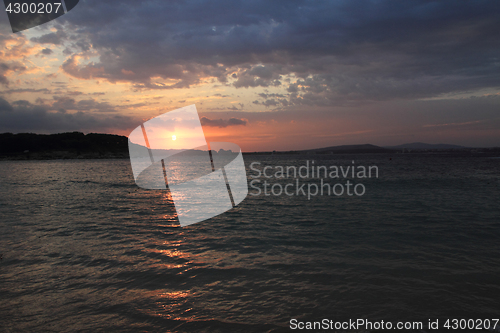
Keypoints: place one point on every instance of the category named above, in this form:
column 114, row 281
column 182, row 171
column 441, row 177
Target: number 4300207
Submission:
column 33, row 8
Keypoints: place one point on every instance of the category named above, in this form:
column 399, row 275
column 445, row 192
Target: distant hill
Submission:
column 421, row 145
column 349, row 149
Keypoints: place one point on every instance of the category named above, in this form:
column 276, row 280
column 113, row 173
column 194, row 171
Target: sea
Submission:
column 84, row 249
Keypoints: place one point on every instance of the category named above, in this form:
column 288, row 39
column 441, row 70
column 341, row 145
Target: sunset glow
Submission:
column 74, row 75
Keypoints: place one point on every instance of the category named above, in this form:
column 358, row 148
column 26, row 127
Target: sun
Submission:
column 174, row 137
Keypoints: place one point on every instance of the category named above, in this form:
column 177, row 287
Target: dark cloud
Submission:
column 22, row 116
column 269, row 102
column 340, row 50
column 259, row 75
column 3, row 69
column 67, row 103
column 273, row 95
column 47, row 51
column 28, row 90
column 273, row 100
column 5, row 106
column 222, row 122
column 55, row 38
column 73, row 93
column 6, row 68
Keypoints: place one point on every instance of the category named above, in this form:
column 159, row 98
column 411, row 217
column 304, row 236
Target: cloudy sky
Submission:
column 263, row 74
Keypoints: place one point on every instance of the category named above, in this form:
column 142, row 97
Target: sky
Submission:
column 266, row 75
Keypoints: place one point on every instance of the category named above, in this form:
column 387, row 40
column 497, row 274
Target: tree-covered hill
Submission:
column 63, row 145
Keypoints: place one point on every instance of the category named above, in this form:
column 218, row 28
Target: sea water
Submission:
column 85, row 249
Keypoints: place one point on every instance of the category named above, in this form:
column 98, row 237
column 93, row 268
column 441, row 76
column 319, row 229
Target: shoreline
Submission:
column 65, row 155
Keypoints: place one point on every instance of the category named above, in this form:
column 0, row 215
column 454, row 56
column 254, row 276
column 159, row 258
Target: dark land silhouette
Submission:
column 77, row 145
column 421, row 145
column 62, row 146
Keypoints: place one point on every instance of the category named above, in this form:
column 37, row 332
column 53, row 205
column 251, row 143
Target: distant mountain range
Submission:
column 416, row 147
column 348, row 149
column 421, row 145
